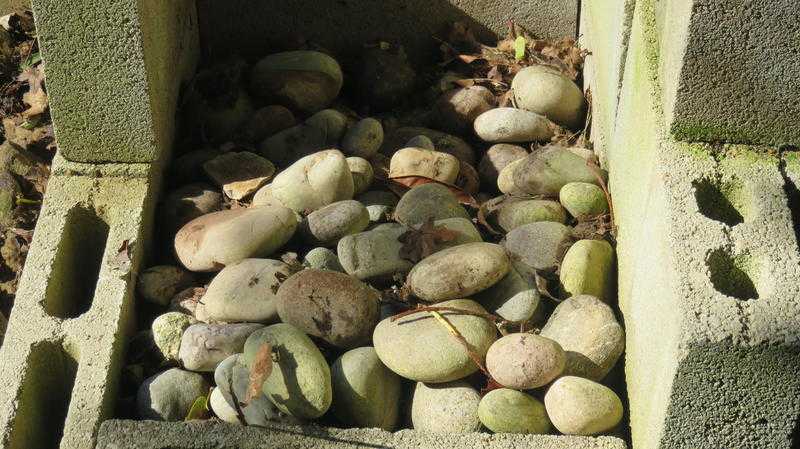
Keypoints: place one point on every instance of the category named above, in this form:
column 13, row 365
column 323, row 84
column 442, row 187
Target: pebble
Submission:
column 582, row 199
column 468, row 179
column 167, row 333
column 444, row 142
column 525, row 361
column 365, row 392
column 497, row 157
column 363, row 139
column 546, row 91
column 428, row 201
column 362, row 172
column 304, row 80
column 379, row 203
column 291, row 144
column 232, row 375
column 265, row 122
column 188, row 202
column 186, row 300
column 588, row 331
column 420, row 141
column 546, row 171
column 325, row 226
column 245, row 291
column 333, row 124
column 222, row 408
column 538, row 247
column 511, row 125
column 300, row 382
column 420, row 348
column 204, row 346
column 211, row 242
column 435, row 165
column 450, row 407
column 169, row 395
column 513, row 298
column 239, row 174
column 160, row 283
column 384, row 77
column 588, row 269
column 314, row 181
column 333, row 306
column 322, row 258
column 464, row 232
column 457, row 109
column 505, row 180
column 374, row 255
column 509, row 411
column 458, row 272
column 579, row 406
column 513, row 214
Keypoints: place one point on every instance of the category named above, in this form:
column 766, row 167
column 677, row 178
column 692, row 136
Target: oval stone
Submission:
column 546, row 91
column 513, row 214
column 579, row 406
column 325, row 226
column 582, row 199
column 292, row 143
column 204, row 346
column 168, row 331
column 160, row 283
column 322, row 259
column 379, row 204
column 245, row 291
column 333, row 124
column 363, row 139
column 303, row 80
column 428, row 201
column 547, row 170
column 525, row 361
column 450, row 407
column 538, row 246
column 511, row 125
column 588, row 269
column 588, row 331
column 426, row 163
column 459, row 271
column 374, row 255
column 362, row 172
column 213, row 241
column 446, row 143
column 456, row 109
column 169, row 395
column 186, row 203
column 300, row 381
column 514, row 298
column 365, row 392
column 497, row 157
column 419, row 347
column 266, row 122
column 333, row 306
column 505, row 180
column 314, row 181
column 420, row 141
column 510, row 411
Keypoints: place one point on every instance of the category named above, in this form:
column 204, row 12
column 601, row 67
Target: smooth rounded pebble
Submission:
column 444, row 142
column 579, row 406
column 582, row 199
column 419, row 347
column 265, row 122
column 213, row 241
column 333, row 306
column 436, row 165
column 380, row 204
column 374, row 255
column 168, row 331
column 333, row 124
column 510, row 411
column 538, row 246
column 420, row 141
column 169, row 395
column 365, row 392
column 204, row 346
column 325, row 226
column 525, row 361
column 428, row 201
column 245, row 291
column 505, row 180
column 160, row 283
column 303, row 80
column 314, row 181
column 547, row 170
column 546, row 91
column 588, row 331
column 450, row 407
column 456, row 109
column 514, row 298
column 292, row 143
column 588, row 269
column 300, row 382
column 513, row 214
column 497, row 157
column 363, row 139
column 188, row 202
column 458, row 272
column 511, row 125
column 362, row 172
column 222, row 408
column 322, row 258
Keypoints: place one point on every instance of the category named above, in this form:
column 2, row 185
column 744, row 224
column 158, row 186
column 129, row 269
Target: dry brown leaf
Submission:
column 421, row 242
column 122, row 260
column 262, row 368
column 36, row 97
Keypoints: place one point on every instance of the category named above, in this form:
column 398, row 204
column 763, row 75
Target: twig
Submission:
column 455, row 333
column 603, row 186
column 487, row 316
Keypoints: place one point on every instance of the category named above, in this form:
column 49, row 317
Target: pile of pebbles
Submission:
column 298, row 249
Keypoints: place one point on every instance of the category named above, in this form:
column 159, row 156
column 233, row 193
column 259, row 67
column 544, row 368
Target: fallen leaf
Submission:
column 421, row 242
column 468, row 58
column 262, row 368
column 414, row 181
column 122, row 260
column 36, row 97
column 199, row 409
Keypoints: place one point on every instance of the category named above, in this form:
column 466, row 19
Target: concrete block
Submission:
column 113, row 72
column 66, row 336
column 708, row 272
column 205, row 434
column 730, row 70
column 344, row 26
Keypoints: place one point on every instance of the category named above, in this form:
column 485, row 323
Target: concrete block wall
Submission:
column 708, row 255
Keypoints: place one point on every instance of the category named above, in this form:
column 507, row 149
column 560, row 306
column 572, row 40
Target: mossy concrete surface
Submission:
column 708, row 277
column 113, row 74
column 73, row 311
column 207, row 434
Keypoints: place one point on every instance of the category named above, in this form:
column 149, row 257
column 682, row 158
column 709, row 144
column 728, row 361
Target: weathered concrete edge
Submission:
column 117, row 434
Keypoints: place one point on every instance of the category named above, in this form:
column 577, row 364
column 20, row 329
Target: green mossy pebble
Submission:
column 582, row 199
column 365, row 392
column 511, row 411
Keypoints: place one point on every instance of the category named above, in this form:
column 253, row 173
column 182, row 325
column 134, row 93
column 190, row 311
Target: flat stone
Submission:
column 169, row 395
column 450, row 407
column 304, row 80
column 511, row 125
column 579, row 406
column 168, row 331
column 538, row 246
column 314, row 181
column 419, row 347
column 330, row 223
column 365, row 392
column 509, row 411
column 239, row 174
column 428, row 201
column 204, row 346
column 525, row 361
column 363, row 139
column 546, row 91
column 588, row 268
